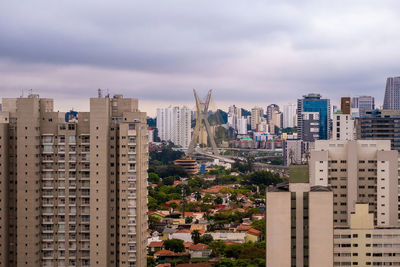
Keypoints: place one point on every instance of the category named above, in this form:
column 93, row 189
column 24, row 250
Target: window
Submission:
column 72, row 139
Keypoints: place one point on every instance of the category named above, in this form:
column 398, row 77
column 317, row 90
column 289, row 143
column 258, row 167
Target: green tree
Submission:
column 153, row 222
column 171, row 170
column 153, row 204
column 151, row 262
column 217, row 248
column 154, row 178
column 188, row 219
column 206, row 239
column 252, row 253
column 166, row 155
column 175, row 245
column 260, row 225
column 224, row 263
column 168, row 180
column 264, row 178
column 197, row 195
column 233, row 251
column 196, row 236
column 218, row 200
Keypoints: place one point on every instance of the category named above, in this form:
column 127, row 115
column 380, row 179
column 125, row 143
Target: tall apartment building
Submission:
column 362, row 171
column 174, row 124
column 380, row 125
column 275, row 123
column 313, row 103
column 234, row 115
column 289, row 116
column 242, row 125
column 299, row 224
column 342, row 126
column 270, row 110
column 363, row 244
column 363, row 104
column 392, row 93
column 257, row 114
column 76, row 183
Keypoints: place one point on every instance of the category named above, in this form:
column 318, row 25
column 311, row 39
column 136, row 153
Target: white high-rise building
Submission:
column 174, row 124
column 234, row 114
column 289, row 115
column 242, row 129
column 343, row 127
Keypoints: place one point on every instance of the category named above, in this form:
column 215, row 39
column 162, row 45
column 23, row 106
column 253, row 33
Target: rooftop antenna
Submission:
column 30, row 91
column 99, row 93
column 22, row 93
column 108, row 93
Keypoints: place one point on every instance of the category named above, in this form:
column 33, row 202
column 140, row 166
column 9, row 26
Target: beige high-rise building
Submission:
column 73, row 185
column 299, row 224
column 362, row 171
column 256, row 117
column 363, row 244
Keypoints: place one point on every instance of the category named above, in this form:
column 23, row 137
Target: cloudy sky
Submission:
column 249, row 52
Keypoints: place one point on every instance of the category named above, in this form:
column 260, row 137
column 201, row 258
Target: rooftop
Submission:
column 298, row 174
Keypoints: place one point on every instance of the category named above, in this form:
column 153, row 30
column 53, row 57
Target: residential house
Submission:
column 253, row 235
column 199, row 251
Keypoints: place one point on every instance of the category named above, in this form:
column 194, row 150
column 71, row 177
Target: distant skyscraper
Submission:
column 275, row 123
column 392, row 93
column 257, row 114
column 242, row 128
column 313, row 107
column 363, row 103
column 174, row 124
column 234, row 114
column 289, row 115
column 270, row 110
column 345, row 105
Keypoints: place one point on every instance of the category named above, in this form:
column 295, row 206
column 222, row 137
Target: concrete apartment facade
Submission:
column 363, row 244
column 362, row 171
column 299, row 225
column 342, row 127
column 73, row 185
column 257, row 114
column 174, row 124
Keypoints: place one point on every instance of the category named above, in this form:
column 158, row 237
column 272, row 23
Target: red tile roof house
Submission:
column 199, row 251
column 166, row 256
column 253, row 235
column 243, row 228
column 155, row 246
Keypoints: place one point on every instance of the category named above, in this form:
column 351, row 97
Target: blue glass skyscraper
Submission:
column 313, row 118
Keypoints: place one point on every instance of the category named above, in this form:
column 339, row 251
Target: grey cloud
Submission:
column 250, row 51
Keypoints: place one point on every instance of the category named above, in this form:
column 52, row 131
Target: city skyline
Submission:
column 160, row 52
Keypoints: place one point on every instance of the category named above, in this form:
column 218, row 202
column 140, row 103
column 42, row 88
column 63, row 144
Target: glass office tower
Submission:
column 315, row 105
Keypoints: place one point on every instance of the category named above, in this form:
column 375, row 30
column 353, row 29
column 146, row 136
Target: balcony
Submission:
column 48, row 247
column 47, row 221
column 85, row 246
column 47, row 202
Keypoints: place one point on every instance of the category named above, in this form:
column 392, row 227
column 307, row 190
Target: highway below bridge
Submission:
column 278, row 169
